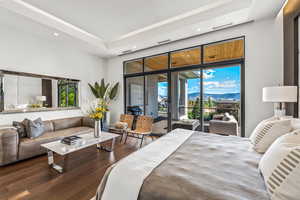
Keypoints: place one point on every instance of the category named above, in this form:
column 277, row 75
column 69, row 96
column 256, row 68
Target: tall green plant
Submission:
column 104, row 92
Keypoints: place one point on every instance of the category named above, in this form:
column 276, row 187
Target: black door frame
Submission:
column 201, row 67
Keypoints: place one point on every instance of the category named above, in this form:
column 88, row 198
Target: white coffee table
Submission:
column 86, row 140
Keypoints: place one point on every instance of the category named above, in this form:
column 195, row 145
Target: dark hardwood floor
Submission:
column 33, row 179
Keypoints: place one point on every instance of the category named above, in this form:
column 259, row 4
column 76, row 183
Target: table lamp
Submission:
column 279, row 95
column 41, row 99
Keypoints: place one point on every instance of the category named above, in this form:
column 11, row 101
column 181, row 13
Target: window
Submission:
column 132, row 67
column 135, row 95
column 186, row 57
column 195, row 84
column 67, row 93
column 156, row 63
column 222, row 51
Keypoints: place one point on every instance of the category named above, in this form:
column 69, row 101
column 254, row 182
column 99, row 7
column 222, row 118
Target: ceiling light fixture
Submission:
column 198, row 29
column 56, row 34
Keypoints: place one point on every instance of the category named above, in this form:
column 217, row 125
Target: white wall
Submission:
column 263, row 67
column 22, row 52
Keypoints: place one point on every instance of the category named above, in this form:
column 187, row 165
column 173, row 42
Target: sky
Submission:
column 216, row 81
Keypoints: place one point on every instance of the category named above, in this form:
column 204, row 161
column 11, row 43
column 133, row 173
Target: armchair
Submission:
column 228, row 125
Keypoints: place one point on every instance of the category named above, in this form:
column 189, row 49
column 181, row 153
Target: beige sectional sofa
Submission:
column 13, row 148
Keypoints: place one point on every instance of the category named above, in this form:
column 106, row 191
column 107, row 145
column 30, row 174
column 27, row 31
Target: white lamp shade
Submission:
column 41, row 98
column 280, row 94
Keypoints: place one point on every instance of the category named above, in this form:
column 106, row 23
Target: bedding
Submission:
column 267, row 132
column 201, row 166
column 280, row 167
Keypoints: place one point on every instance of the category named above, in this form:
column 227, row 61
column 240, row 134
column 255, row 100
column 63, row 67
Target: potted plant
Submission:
column 105, row 93
column 97, row 113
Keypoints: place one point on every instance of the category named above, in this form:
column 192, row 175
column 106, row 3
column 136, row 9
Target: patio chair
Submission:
column 143, row 128
column 125, row 123
column 227, row 125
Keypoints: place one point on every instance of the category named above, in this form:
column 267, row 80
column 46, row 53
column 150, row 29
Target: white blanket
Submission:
column 126, row 178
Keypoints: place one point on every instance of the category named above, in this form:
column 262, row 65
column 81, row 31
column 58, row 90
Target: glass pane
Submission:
column 157, row 101
column 62, row 95
column 72, row 95
column 186, row 57
column 135, row 95
column 223, row 51
column 185, row 93
column 156, row 63
column 221, row 87
column 135, row 66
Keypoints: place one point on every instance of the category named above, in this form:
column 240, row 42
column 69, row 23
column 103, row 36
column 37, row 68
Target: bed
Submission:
column 187, row 165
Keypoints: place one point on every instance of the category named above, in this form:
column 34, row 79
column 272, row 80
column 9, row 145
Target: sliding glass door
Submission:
column 156, row 101
column 135, row 95
column 199, row 96
column 186, row 98
column 222, row 94
column 189, row 88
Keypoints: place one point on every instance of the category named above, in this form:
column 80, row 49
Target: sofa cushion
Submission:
column 87, row 121
column 60, row 124
column 48, row 126
column 32, row 147
column 9, row 140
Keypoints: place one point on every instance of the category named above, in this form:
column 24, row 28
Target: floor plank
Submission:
column 32, row 179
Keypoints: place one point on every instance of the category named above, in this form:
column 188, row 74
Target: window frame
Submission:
column 202, row 66
column 59, row 89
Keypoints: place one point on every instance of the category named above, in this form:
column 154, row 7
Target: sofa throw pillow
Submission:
column 267, row 132
column 21, row 128
column 280, row 167
column 35, row 128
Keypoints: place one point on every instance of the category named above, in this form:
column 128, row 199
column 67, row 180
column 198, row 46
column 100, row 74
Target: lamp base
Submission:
column 279, row 112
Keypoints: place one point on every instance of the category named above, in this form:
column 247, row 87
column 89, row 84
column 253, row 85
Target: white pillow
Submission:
column 280, row 167
column 267, row 132
column 295, row 123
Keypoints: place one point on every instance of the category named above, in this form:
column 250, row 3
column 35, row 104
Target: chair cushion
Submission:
column 267, row 132
column 32, row 147
column 121, row 125
column 60, row 124
column 280, row 167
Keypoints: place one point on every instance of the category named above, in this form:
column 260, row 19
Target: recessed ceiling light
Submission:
column 56, row 34
column 198, row 29
column 134, row 47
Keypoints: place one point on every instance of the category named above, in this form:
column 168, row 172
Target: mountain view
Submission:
column 226, row 96
column 218, row 83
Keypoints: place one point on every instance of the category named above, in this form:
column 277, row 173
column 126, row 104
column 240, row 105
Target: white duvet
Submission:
column 126, row 178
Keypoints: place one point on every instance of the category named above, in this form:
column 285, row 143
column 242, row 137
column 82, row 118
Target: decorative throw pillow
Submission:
column 280, row 167
column 21, row 128
column 295, row 124
column 35, row 128
column 121, row 125
column 267, row 132
column 226, row 117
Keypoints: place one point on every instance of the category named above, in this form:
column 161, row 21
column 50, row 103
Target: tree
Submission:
column 196, row 110
column 210, row 102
